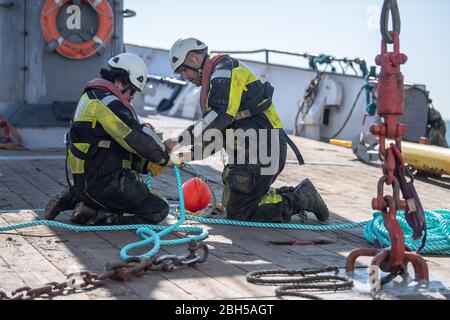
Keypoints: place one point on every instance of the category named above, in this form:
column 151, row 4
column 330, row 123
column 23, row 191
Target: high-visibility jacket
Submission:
column 106, row 136
column 237, row 100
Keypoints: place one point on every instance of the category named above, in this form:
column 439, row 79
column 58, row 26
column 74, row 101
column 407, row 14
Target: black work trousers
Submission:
column 248, row 195
column 123, row 194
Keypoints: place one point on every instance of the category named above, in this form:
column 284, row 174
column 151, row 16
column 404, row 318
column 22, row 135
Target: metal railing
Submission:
column 320, row 62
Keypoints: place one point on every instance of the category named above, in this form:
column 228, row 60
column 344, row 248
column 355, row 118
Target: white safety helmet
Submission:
column 134, row 65
column 181, row 48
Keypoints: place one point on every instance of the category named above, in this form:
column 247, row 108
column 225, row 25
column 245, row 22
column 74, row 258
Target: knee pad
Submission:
column 242, row 179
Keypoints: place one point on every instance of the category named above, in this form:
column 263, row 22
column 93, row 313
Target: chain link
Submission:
column 123, row 271
column 296, row 282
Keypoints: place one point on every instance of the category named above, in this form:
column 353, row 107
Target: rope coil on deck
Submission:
column 438, row 238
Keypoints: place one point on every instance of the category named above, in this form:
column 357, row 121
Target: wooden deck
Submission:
column 33, row 257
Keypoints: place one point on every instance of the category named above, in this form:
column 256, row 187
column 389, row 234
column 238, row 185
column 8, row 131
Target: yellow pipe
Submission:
column 427, row 158
column 342, row 143
column 422, row 157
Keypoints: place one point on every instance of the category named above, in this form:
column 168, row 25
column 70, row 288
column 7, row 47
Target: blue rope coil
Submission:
column 438, row 237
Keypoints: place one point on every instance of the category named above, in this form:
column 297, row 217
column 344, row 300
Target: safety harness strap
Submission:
column 255, row 105
column 295, row 149
column 414, row 214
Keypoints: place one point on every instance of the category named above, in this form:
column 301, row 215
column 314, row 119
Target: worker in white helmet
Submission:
column 107, row 148
column 232, row 97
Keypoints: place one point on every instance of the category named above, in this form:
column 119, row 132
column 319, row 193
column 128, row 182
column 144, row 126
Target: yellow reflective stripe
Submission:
column 163, row 162
column 113, row 125
column 76, row 166
column 84, row 112
column 236, row 89
column 271, row 197
column 273, row 117
column 126, row 164
column 83, row 147
column 241, row 77
column 108, row 99
column 221, row 74
column 251, row 77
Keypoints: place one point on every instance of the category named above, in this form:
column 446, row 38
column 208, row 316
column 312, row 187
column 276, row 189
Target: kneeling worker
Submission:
column 233, row 98
column 108, row 148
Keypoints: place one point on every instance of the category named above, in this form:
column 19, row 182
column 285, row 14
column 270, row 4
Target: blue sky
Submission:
column 342, row 28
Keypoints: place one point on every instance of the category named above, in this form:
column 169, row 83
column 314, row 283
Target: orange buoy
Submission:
column 197, row 195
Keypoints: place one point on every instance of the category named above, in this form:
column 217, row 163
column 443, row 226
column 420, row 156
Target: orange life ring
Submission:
column 67, row 48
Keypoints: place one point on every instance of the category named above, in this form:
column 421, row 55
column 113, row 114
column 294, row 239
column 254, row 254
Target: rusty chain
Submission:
column 296, row 282
column 122, row 271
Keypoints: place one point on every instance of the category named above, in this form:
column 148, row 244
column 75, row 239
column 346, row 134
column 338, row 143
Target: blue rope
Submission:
column 438, row 238
column 292, row 226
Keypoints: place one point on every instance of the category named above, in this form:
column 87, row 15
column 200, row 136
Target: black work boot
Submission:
column 83, row 214
column 87, row 216
column 284, row 190
column 57, row 204
column 106, row 218
column 310, row 200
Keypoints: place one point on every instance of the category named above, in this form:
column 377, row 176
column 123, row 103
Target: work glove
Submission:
column 155, row 169
column 175, row 160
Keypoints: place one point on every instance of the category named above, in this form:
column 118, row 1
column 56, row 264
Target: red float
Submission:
column 197, row 194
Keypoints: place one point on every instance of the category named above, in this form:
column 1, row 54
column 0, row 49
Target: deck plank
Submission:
column 192, row 281
column 26, row 261
column 228, row 273
column 74, row 252
column 153, row 285
column 23, row 186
